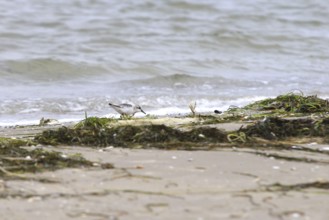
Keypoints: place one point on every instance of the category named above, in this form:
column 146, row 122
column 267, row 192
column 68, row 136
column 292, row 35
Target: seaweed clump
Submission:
column 292, row 103
column 128, row 135
column 15, row 160
column 10, row 142
column 94, row 123
column 297, row 187
column 274, row 128
column 162, row 136
column 92, row 130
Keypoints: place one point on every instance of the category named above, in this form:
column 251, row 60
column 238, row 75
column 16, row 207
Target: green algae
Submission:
column 267, row 118
column 12, row 142
column 293, row 103
column 237, row 137
column 15, row 160
column 324, row 185
column 99, row 132
column 94, row 123
column 20, row 160
column 273, row 131
column 128, row 135
column 274, row 128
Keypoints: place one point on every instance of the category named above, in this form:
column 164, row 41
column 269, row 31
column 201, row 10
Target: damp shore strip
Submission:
column 279, row 123
column 256, row 160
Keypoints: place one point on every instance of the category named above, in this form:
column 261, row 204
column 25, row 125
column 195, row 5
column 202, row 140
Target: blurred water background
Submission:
column 60, row 58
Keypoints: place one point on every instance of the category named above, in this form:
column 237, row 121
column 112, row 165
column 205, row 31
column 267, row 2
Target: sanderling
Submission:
column 126, row 109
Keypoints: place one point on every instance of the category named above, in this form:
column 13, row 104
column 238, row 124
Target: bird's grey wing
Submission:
column 125, row 105
column 121, row 105
column 110, row 104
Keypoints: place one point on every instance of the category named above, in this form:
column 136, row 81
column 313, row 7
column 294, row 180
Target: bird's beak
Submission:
column 143, row 111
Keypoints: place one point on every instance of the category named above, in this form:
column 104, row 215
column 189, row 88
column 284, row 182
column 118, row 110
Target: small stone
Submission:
column 201, row 136
column 276, row 167
column 107, row 166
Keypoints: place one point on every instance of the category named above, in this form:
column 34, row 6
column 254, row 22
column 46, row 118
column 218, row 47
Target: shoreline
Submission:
column 265, row 165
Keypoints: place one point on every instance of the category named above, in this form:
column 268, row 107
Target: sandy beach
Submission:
column 203, row 167
column 225, row 110
column 157, row 184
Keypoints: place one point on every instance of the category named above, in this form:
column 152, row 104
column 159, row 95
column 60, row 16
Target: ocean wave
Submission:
column 64, row 108
column 48, row 69
column 189, row 81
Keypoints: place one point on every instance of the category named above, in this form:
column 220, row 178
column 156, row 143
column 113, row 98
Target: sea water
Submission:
column 60, row 59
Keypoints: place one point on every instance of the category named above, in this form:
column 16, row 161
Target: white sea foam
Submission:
column 24, row 122
column 65, row 111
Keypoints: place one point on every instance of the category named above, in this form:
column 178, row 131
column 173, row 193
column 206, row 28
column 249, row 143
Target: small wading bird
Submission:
column 126, row 109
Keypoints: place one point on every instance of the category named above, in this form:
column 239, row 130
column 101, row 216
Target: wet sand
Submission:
column 157, row 184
